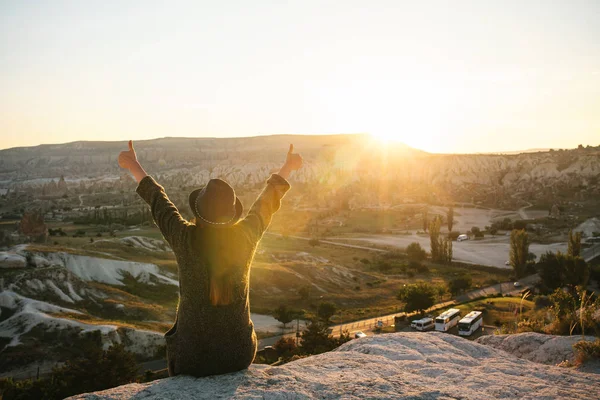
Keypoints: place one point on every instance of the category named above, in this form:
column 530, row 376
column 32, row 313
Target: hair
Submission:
column 220, row 264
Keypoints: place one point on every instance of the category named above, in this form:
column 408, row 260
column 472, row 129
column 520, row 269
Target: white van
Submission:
column 424, row 324
column 462, row 237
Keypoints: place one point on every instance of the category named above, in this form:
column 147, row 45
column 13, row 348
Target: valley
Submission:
column 79, row 252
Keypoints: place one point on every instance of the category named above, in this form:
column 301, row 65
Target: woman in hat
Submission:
column 213, row 333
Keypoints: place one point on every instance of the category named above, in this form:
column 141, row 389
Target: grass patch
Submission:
column 498, row 310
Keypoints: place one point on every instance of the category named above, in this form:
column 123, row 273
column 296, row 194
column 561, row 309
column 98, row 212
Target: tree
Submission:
column 551, row 271
column 33, row 225
column 326, row 310
column 574, row 244
column 304, row 292
column 417, row 297
column 448, row 254
column 283, row 315
column 434, row 235
column 459, row 284
column 425, row 220
column 519, row 251
column 316, row 338
column 558, row 270
column 476, row 232
column 441, row 291
column 441, row 248
column 450, row 218
column 415, row 252
column 576, row 272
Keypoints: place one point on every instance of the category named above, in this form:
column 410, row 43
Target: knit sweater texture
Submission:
column 209, row 339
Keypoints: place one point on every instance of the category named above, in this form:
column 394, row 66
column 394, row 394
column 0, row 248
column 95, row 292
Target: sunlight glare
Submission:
column 387, row 137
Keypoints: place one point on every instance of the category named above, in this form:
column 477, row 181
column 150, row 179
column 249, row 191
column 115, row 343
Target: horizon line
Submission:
column 254, row 136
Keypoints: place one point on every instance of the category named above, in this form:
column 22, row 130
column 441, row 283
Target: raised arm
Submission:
column 128, row 160
column 259, row 217
column 166, row 216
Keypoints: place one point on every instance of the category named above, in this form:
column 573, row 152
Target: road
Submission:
column 490, row 251
column 506, row 288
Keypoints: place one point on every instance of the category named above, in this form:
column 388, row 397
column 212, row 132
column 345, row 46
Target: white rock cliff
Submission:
column 393, row 366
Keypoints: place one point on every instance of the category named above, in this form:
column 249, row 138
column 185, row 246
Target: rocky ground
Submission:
column 399, row 366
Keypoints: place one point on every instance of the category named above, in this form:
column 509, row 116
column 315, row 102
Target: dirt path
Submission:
column 352, row 246
column 522, row 212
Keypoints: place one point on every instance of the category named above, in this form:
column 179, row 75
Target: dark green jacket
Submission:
column 207, row 339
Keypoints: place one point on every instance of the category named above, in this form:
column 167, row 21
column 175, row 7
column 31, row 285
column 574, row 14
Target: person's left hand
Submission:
column 128, row 159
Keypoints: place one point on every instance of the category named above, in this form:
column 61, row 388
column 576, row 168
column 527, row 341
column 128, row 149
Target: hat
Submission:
column 216, row 204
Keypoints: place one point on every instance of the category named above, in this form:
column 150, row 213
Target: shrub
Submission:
column 453, row 235
column 531, row 325
column 587, row 350
column 79, row 375
column 285, row 346
column 476, row 232
column 415, row 252
column 422, row 269
column 459, row 284
column 384, row 266
column 326, row 310
column 314, row 242
column 542, row 302
column 519, row 224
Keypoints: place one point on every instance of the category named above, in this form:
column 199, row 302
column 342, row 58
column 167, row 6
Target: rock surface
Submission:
column 399, row 366
column 536, row 347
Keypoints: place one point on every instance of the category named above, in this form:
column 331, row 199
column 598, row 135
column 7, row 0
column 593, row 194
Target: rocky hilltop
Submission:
column 354, row 163
column 398, row 366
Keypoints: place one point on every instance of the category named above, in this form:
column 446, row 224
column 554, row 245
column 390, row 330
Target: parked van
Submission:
column 424, row 324
column 462, row 237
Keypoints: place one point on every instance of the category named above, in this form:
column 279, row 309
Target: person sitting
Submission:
column 213, row 333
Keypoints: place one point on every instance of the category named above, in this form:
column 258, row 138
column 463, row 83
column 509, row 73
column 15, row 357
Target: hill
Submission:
column 353, row 166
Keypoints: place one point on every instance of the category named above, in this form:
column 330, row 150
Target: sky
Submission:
column 441, row 76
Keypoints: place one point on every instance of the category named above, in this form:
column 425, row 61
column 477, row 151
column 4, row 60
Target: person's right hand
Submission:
column 293, row 161
column 128, row 159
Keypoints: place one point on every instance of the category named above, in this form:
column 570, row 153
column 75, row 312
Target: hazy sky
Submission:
column 447, row 76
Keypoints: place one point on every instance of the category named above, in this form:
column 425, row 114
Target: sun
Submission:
column 387, row 137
